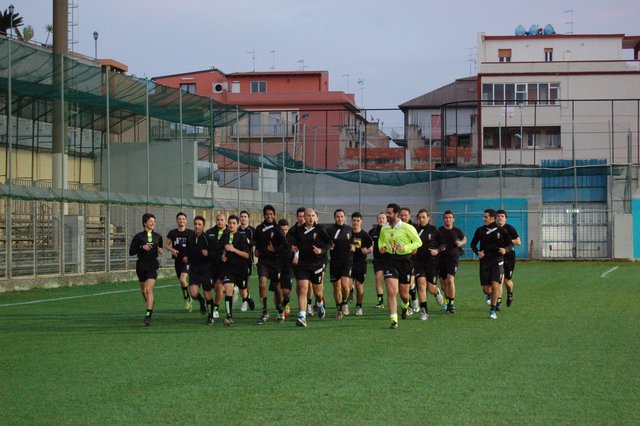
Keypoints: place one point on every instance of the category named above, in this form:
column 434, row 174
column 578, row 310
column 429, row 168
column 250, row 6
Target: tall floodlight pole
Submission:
column 95, row 45
column 10, row 106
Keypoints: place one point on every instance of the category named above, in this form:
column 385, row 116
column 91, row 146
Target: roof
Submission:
column 241, row 74
column 463, row 89
column 547, row 36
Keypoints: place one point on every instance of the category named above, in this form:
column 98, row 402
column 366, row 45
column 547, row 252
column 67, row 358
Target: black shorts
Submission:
column 428, row 270
column 237, row 277
column 199, row 278
column 269, row 268
column 491, row 271
column 339, row 269
column 448, row 266
column 216, row 272
column 286, row 281
column 181, row 268
column 378, row 265
column 509, row 266
column 146, row 274
column 359, row 272
column 310, row 272
column 398, row 267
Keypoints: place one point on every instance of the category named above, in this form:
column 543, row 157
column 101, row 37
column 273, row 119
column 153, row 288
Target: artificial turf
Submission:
column 566, row 352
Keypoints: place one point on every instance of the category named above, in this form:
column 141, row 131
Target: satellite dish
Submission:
column 520, row 30
column 548, row 29
column 533, row 30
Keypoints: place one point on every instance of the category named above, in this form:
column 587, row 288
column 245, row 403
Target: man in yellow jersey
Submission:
column 397, row 240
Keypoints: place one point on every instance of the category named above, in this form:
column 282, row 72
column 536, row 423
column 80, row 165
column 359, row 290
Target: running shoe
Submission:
column 498, row 306
column 404, row 313
column 280, row 319
column 244, row 307
column 228, row 321
column 339, row 314
column 188, row 305
column 203, row 308
column 310, row 311
column 345, row 310
column 210, row 320
column 147, row 321
column 321, row 312
column 263, row 319
column 379, row 306
column 301, row 321
column 216, row 313
column 410, row 311
column 509, row 299
column 424, row 316
column 358, row 311
column 488, row 297
column 415, row 305
column 451, row 309
column 439, row 298
column 394, row 325
column 492, row 314
column 252, row 304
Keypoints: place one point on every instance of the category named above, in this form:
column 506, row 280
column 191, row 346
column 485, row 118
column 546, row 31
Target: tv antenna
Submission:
column 570, row 21
column 252, row 52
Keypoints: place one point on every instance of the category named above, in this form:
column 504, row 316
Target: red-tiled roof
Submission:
column 463, row 89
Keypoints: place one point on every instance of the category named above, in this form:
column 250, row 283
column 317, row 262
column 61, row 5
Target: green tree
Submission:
column 6, row 22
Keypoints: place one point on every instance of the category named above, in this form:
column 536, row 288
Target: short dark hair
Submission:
column 406, row 208
column 490, row 212
column 424, row 211
column 394, row 206
column 283, row 222
column 245, row 212
column 146, row 217
column 300, row 210
column 338, row 210
column 268, row 207
column 356, row 214
column 234, row 217
column 200, row 218
column 501, row 211
column 446, row 212
column 181, row 214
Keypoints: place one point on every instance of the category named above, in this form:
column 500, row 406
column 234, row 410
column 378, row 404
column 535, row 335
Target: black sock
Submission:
column 185, row 293
column 264, row 305
column 380, row 298
column 414, row 293
column 285, row 301
column 309, row 301
column 210, row 307
column 493, row 307
column 423, row 305
column 228, row 302
column 149, row 312
column 200, row 299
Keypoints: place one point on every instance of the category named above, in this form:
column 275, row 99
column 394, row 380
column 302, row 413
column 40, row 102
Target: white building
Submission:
column 567, row 95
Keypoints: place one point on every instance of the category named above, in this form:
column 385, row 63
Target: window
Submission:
column 188, row 88
column 487, row 94
column 509, row 94
column 521, row 93
column 548, row 54
column 235, row 87
column 258, row 87
column 533, row 138
column 532, row 93
column 553, row 140
column 543, row 92
column 504, row 55
column 554, row 93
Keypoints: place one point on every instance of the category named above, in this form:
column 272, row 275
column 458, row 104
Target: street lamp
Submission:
column 95, row 50
column 9, row 105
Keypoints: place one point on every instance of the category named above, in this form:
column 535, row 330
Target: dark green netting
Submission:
column 97, row 197
column 399, row 178
column 85, row 90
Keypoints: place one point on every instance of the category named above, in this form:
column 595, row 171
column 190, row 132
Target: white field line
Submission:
column 104, row 293
column 604, row 274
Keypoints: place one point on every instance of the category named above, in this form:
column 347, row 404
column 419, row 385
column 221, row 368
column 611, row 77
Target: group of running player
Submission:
column 408, row 258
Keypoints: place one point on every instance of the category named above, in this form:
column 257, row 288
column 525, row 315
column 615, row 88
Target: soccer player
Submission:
column 494, row 243
column 300, row 223
column 197, row 256
column 271, row 246
column 234, row 259
column 454, row 239
column 509, row 257
column 286, row 276
column 341, row 261
column 312, row 242
column 405, row 216
column 248, row 231
column 215, row 235
column 177, row 245
column 147, row 245
column 397, row 240
column 426, row 261
column 362, row 243
column 374, row 233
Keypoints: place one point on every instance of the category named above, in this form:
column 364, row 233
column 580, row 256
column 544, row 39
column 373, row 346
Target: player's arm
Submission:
column 382, row 241
column 475, row 240
column 415, row 241
column 136, row 246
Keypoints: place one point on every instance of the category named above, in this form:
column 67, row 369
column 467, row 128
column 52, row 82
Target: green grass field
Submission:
column 566, row 352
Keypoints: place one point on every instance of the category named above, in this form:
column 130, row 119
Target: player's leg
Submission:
column 422, row 297
column 392, row 290
column 228, row 300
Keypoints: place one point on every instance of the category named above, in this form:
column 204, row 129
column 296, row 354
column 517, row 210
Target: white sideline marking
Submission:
column 104, row 293
column 604, row 274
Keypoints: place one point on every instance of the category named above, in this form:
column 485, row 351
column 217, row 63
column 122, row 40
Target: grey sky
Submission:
column 401, row 49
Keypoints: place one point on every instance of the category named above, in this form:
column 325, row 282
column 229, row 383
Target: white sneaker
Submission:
column 310, row 310
column 244, row 307
column 410, row 311
column 345, row 309
column 439, row 298
column 488, row 297
column 424, row 316
column 358, row 312
column 415, row 305
column 492, row 314
column 216, row 314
